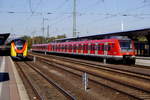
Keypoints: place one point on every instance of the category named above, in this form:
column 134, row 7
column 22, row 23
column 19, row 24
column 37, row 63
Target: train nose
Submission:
column 19, row 47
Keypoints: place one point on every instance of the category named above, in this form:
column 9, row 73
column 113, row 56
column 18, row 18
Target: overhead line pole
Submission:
column 74, row 18
column 43, row 30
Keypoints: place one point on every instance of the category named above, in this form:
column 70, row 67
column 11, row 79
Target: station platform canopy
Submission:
column 133, row 34
column 3, row 38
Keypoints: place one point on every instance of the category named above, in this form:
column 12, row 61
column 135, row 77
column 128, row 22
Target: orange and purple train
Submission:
column 118, row 49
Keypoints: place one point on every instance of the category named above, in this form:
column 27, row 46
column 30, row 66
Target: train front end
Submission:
column 127, row 51
column 19, row 48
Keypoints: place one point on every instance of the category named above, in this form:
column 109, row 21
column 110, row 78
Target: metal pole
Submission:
column 85, row 81
column 34, row 59
column 47, row 32
column 74, row 18
column 43, row 29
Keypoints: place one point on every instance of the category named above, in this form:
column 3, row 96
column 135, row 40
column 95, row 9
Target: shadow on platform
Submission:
column 4, row 77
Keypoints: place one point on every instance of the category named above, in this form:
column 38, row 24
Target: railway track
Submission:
column 24, row 76
column 130, row 85
column 50, row 81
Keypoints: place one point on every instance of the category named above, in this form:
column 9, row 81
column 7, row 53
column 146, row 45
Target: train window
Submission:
column 19, row 42
column 109, row 47
column 96, row 47
column 85, row 47
column 106, row 47
column 74, row 47
column 112, row 46
column 70, row 47
column 92, row 47
column 125, row 45
column 99, row 47
column 65, row 47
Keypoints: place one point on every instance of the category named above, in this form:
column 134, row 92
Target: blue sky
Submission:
column 24, row 17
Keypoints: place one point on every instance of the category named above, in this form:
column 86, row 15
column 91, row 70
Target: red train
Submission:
column 118, row 49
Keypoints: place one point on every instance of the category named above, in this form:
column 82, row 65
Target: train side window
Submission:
column 96, row 47
column 93, row 47
column 79, row 47
column 70, row 47
column 85, row 47
column 109, row 47
column 65, row 47
column 74, row 47
column 112, row 46
column 99, row 47
column 106, row 47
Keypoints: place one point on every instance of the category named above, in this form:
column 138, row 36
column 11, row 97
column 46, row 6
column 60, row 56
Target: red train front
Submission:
column 118, row 49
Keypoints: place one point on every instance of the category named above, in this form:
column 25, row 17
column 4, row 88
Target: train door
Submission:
column 65, row 48
column 70, row 48
column 85, row 48
column 111, row 49
column 100, row 48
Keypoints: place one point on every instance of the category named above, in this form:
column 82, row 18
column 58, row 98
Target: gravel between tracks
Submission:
column 47, row 91
column 73, row 84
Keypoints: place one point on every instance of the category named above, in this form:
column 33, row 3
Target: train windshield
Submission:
column 126, row 45
column 19, row 44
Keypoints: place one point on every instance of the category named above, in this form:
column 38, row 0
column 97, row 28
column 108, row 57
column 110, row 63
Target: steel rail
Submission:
column 67, row 94
column 30, row 83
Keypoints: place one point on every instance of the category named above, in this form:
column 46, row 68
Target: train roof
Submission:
column 133, row 34
column 3, row 38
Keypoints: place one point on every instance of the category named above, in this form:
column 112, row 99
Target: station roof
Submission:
column 133, row 34
column 3, row 38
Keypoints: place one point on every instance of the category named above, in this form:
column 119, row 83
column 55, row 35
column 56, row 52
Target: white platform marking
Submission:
column 2, row 68
column 21, row 89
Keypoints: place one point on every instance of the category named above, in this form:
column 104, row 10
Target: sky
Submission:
column 25, row 17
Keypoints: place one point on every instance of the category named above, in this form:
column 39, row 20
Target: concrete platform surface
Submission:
column 11, row 86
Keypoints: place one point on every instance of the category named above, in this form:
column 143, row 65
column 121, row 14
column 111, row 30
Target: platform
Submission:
column 143, row 61
column 11, row 86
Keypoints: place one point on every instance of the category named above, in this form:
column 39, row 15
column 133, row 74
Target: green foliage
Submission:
column 142, row 38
